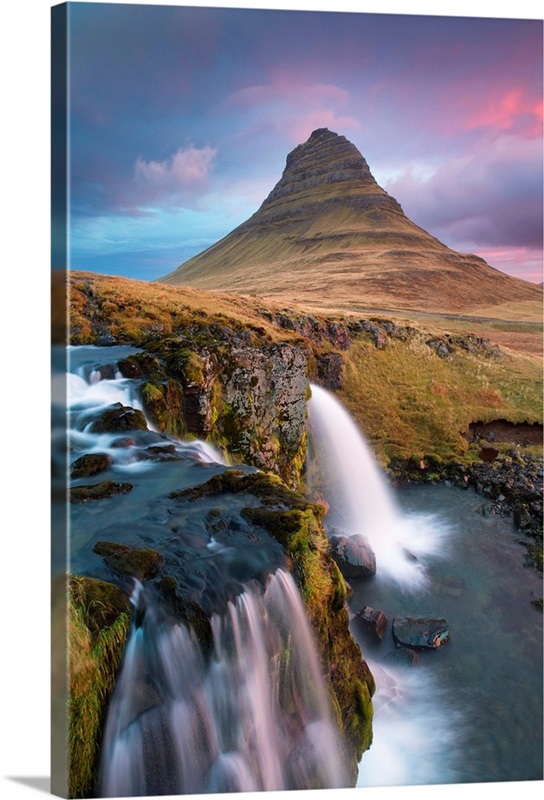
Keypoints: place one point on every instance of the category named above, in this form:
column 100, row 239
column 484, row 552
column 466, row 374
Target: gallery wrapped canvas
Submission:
column 296, row 400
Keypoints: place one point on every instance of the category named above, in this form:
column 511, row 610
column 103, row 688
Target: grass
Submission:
column 97, row 630
column 137, row 311
column 412, row 403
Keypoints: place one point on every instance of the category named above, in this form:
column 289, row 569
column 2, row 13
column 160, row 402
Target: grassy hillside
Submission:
column 409, row 401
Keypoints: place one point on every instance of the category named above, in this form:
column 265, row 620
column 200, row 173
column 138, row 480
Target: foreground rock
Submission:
column 421, row 634
column 354, row 555
column 98, row 491
column 374, row 621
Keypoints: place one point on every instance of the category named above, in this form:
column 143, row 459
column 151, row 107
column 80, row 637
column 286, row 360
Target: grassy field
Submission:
column 412, row 403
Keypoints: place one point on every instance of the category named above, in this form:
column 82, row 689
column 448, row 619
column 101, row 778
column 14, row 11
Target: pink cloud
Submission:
column 521, row 262
column 189, row 165
column 501, row 109
column 294, row 106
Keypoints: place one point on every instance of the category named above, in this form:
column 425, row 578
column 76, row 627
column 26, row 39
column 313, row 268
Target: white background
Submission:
column 24, row 389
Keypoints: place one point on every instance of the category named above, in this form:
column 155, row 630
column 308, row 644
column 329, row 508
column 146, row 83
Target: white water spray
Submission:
column 256, row 717
column 346, row 473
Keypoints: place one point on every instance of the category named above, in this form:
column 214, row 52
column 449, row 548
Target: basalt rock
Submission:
column 354, row 555
column 375, row 621
column 244, row 395
column 420, row 633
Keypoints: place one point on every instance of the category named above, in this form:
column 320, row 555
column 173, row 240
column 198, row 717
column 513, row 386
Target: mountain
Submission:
column 329, row 235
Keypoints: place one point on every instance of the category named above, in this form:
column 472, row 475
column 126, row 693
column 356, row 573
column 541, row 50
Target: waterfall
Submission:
column 343, row 469
column 94, row 383
column 253, row 715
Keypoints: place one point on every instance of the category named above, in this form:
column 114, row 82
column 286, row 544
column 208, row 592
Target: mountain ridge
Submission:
column 328, row 232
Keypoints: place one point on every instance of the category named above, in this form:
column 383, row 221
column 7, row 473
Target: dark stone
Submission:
column 166, row 452
column 420, row 633
column 375, row 621
column 136, row 562
column 124, row 441
column 488, row 453
column 119, row 418
column 353, row 554
column 90, row 464
column 98, row 491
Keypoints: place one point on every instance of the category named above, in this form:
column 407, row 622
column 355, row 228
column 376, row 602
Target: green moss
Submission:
column 163, row 404
column 98, row 622
column 136, row 562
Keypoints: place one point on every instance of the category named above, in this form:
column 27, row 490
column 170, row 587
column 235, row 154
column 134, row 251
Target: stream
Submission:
column 468, row 712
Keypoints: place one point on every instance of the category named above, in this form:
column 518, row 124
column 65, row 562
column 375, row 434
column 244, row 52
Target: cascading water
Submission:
column 92, row 387
column 250, row 716
column 343, row 469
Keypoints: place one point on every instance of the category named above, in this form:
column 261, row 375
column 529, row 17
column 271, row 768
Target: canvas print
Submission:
column 297, row 407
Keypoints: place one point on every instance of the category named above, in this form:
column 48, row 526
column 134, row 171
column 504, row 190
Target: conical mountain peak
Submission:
column 329, row 234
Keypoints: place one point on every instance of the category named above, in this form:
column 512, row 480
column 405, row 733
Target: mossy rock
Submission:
column 90, row 464
column 98, row 618
column 141, row 365
column 98, row 491
column 135, row 562
column 119, row 418
column 163, row 403
column 266, row 486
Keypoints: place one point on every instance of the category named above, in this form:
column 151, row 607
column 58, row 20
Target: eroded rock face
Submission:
column 246, row 396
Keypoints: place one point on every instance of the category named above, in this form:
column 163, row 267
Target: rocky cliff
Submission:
column 329, row 235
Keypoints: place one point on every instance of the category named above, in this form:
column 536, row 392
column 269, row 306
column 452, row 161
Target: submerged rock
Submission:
column 98, row 491
column 136, row 562
column 403, row 657
column 90, row 464
column 354, row 555
column 420, row 633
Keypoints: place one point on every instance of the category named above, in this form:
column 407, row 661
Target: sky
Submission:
column 181, row 119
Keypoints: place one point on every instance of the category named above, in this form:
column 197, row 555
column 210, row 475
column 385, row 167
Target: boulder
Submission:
column 420, row 634
column 90, row 464
column 119, row 418
column 353, row 555
column 374, row 621
column 488, row 453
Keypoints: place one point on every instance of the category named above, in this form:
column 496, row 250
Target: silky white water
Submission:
column 253, row 716
column 344, row 471
column 91, row 389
